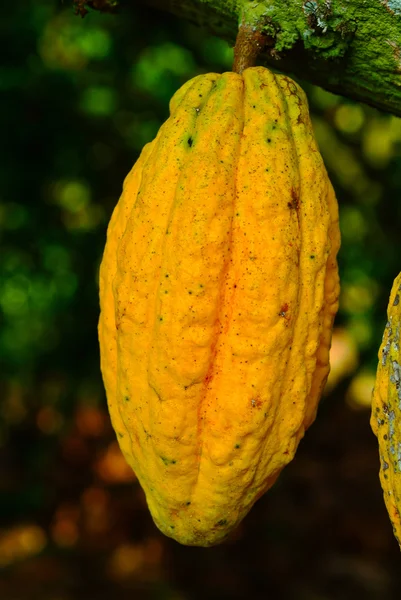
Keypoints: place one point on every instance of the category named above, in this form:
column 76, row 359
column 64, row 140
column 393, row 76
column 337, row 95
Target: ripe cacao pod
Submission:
column 218, row 290
column 386, row 409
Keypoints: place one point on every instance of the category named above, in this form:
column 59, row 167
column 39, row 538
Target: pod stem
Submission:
column 248, row 45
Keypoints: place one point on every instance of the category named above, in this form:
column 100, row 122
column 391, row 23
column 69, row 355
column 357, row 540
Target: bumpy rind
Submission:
column 218, row 290
column 386, row 409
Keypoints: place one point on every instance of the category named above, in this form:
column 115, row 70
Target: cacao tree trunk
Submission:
column 350, row 47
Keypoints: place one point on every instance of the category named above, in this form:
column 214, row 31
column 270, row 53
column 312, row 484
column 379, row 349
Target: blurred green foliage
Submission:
column 80, row 98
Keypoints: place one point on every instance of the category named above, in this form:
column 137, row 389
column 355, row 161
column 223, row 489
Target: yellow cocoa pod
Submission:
column 386, row 409
column 218, row 290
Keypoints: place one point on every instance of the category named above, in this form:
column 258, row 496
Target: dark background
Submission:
column 79, row 98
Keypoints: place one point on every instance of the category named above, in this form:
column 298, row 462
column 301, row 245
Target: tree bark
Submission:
column 349, row 47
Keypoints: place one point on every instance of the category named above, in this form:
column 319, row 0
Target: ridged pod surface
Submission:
column 386, row 409
column 218, row 290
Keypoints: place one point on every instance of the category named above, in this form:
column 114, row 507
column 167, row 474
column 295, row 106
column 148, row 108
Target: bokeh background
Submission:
column 79, row 99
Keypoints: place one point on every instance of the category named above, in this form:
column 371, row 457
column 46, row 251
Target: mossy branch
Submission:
column 345, row 46
column 81, row 7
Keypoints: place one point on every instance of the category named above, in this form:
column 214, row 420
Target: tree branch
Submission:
column 349, row 47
